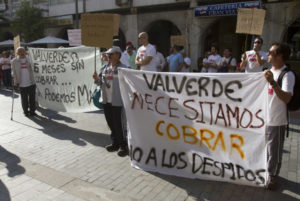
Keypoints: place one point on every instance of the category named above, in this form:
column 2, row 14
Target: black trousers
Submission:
column 114, row 121
column 28, row 98
column 7, row 77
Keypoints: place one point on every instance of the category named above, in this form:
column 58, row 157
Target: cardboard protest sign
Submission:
column 116, row 24
column 207, row 126
column 17, row 43
column 250, row 21
column 178, row 40
column 74, row 36
column 64, row 77
column 98, row 29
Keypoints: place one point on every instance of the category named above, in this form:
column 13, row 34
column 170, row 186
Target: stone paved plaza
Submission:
column 61, row 157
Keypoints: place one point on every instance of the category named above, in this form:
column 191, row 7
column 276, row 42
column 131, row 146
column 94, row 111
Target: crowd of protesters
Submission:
column 148, row 58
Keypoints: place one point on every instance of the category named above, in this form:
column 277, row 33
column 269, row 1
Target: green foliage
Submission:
column 28, row 23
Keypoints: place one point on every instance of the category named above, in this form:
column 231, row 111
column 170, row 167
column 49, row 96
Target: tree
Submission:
column 28, row 23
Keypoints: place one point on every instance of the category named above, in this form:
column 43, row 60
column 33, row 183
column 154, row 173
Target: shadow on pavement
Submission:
column 4, row 193
column 8, row 92
column 11, row 161
column 51, row 114
column 203, row 190
column 294, row 130
column 64, row 132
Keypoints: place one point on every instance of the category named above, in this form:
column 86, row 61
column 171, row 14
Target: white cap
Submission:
column 114, row 49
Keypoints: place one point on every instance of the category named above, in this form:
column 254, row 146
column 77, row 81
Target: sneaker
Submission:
column 112, row 147
column 123, row 152
column 272, row 183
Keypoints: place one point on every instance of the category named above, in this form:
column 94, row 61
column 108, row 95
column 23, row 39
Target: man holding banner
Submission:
column 23, row 78
column 279, row 96
column 112, row 101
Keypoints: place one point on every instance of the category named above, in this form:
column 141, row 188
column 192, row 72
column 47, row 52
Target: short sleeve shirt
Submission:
column 147, row 51
column 174, row 61
column 277, row 108
column 252, row 63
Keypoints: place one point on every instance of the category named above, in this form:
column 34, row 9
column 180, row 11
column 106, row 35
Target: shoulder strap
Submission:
column 230, row 60
column 283, row 72
column 279, row 81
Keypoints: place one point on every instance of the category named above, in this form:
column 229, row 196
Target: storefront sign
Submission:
column 207, row 126
column 224, row 9
column 60, row 21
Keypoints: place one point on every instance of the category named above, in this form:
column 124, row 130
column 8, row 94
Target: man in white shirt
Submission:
column 23, row 78
column 279, row 96
column 213, row 60
column 227, row 63
column 145, row 54
column 253, row 60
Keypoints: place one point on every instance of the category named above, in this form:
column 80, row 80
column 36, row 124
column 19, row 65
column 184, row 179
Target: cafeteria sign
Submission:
column 224, row 9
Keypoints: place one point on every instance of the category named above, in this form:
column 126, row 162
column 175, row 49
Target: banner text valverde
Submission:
column 219, row 113
column 166, row 82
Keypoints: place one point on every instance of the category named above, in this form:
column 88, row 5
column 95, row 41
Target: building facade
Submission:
column 163, row 18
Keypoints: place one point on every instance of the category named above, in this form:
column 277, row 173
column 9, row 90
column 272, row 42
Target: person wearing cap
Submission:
column 112, row 101
column 145, row 54
column 23, row 78
column 131, row 56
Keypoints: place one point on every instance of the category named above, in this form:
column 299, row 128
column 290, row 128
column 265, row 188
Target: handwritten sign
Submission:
column 98, row 29
column 198, row 126
column 74, row 36
column 17, row 43
column 116, row 24
column 178, row 40
column 250, row 21
column 64, row 77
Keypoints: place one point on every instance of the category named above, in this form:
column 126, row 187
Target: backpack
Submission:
column 294, row 103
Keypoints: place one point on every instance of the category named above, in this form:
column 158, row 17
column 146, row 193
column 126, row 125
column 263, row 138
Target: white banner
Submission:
column 207, row 126
column 64, row 77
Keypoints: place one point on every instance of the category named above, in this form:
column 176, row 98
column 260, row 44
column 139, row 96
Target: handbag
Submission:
column 96, row 96
column 225, row 68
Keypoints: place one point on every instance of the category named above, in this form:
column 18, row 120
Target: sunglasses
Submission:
column 272, row 52
column 257, row 42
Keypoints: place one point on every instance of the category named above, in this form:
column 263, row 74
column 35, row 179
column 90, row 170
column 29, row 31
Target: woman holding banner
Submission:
column 112, row 101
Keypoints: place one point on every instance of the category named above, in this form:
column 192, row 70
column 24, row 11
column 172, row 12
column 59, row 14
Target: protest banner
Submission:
column 74, row 36
column 17, row 43
column 98, row 29
column 64, row 77
column 207, row 126
column 178, row 40
column 250, row 21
